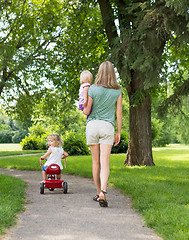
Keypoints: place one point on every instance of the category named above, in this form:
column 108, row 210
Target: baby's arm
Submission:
column 46, row 155
column 85, row 95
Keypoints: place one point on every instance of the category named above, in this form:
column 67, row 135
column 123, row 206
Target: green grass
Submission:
column 7, row 153
column 12, row 191
column 9, row 149
column 160, row 193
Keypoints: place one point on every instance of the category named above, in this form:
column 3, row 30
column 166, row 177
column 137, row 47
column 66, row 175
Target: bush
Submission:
column 37, row 138
column 122, row 146
column 29, row 143
column 75, row 144
column 6, row 136
column 32, row 142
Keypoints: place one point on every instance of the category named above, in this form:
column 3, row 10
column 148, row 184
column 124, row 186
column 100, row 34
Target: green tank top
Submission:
column 104, row 101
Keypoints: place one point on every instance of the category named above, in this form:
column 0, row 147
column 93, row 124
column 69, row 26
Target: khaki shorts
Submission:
column 99, row 131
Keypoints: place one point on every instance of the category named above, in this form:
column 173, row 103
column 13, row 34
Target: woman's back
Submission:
column 104, row 100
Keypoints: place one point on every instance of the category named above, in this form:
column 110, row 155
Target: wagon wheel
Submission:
column 42, row 186
column 65, row 185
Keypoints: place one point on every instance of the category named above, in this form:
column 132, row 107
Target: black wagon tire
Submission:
column 42, row 186
column 65, row 185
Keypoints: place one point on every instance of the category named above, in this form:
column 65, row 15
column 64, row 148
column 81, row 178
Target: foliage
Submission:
column 51, row 45
column 4, row 127
column 9, row 136
column 53, row 41
column 174, row 123
column 75, row 144
column 175, row 78
column 37, row 137
column 11, row 200
column 29, row 143
column 122, row 146
column 138, row 33
column 60, row 118
column 55, row 110
column 18, row 136
column 6, row 136
column 161, row 135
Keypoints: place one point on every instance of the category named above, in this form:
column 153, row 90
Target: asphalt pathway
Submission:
column 75, row 216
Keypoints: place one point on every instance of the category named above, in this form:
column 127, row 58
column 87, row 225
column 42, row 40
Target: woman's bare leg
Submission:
column 105, row 151
column 95, row 151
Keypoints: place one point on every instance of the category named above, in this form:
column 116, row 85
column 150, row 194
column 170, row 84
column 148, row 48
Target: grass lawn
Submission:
column 10, row 147
column 160, row 193
column 15, row 149
column 12, row 192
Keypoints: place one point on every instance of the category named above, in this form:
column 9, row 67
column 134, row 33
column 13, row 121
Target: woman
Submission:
column 104, row 95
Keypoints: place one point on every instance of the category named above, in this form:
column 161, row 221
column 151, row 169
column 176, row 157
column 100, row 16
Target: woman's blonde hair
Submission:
column 86, row 77
column 106, row 76
column 57, row 138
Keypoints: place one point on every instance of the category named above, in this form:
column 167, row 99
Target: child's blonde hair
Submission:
column 57, row 138
column 106, row 76
column 86, row 77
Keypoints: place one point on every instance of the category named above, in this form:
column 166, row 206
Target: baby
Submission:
column 86, row 78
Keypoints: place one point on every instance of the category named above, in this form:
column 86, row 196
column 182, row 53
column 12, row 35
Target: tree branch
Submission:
column 174, row 99
column 108, row 20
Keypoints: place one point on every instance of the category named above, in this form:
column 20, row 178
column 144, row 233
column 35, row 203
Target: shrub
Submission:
column 32, row 142
column 122, row 146
column 29, row 143
column 75, row 144
column 6, row 136
column 37, row 138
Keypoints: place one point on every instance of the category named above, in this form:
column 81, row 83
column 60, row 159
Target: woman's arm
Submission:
column 87, row 109
column 85, row 95
column 119, row 120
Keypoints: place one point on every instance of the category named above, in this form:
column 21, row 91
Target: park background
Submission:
column 44, row 47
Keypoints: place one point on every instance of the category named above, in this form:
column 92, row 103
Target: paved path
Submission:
column 75, row 216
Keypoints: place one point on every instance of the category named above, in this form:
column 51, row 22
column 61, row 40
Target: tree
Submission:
column 42, row 46
column 57, row 39
column 25, row 40
column 138, row 32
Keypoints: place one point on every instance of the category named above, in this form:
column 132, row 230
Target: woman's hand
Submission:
column 117, row 139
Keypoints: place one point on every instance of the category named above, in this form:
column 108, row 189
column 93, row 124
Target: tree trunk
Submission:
column 140, row 140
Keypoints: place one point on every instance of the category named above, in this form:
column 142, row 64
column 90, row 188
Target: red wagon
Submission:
column 52, row 182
